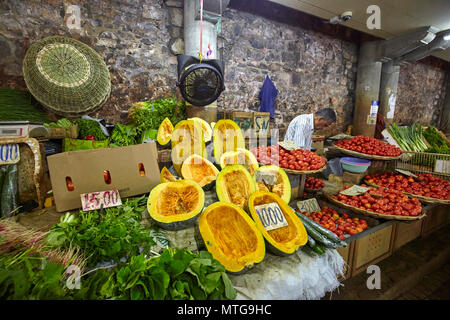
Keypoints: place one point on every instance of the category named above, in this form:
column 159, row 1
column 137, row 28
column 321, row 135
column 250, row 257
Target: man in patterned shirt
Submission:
column 301, row 129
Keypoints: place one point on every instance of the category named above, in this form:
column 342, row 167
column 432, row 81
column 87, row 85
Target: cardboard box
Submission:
column 86, row 171
column 353, row 178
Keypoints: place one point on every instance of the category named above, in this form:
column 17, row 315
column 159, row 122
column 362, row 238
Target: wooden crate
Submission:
column 347, row 254
column 372, row 248
column 405, row 232
column 437, row 217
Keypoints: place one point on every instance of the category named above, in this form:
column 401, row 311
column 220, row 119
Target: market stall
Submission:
column 177, row 201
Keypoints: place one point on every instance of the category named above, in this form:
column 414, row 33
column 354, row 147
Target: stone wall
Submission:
column 421, row 94
column 311, row 70
column 311, row 67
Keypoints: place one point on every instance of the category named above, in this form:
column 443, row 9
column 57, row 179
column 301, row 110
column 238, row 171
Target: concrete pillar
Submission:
column 367, row 88
column 445, row 117
column 192, row 48
column 388, row 90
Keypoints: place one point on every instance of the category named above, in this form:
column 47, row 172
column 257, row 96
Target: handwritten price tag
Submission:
column 94, row 200
column 406, row 173
column 9, row 153
column 309, row 205
column 354, row 190
column 271, row 216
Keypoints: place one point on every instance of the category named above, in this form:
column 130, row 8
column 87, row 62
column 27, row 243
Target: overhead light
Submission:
column 447, row 37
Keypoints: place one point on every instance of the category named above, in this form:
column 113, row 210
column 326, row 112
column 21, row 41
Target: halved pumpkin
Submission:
column 283, row 186
column 206, row 128
column 176, row 205
column 186, row 140
column 240, row 156
column 231, row 236
column 227, row 137
column 234, row 184
column 166, row 176
column 199, row 169
column 285, row 240
column 165, row 131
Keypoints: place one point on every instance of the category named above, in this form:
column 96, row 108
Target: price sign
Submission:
column 288, row 145
column 9, row 153
column 355, row 190
column 94, row 200
column 271, row 216
column 269, row 178
column 310, row 205
column 406, row 173
column 442, row 166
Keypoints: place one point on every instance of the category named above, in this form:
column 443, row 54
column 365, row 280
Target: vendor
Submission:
column 301, row 129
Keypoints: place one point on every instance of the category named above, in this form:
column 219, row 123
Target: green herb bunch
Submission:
column 436, row 141
column 106, row 236
column 124, row 135
column 87, row 127
column 150, row 114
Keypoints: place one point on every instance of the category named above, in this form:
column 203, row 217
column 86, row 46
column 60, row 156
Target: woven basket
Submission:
column 427, row 200
column 365, row 156
column 66, row 76
column 297, row 172
column 371, row 213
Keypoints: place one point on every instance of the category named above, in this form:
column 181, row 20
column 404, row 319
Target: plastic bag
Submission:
column 333, row 166
column 10, row 191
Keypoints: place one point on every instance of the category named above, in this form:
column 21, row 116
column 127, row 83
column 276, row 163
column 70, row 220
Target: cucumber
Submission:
column 318, row 236
column 318, row 249
column 324, row 231
column 311, row 241
column 313, row 251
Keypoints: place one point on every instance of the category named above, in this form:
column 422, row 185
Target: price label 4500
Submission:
column 271, row 216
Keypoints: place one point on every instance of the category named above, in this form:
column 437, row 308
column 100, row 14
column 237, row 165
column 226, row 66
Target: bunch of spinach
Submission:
column 30, row 277
column 174, row 275
column 106, row 236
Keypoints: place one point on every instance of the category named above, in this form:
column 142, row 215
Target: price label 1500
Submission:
column 271, row 216
column 95, row 200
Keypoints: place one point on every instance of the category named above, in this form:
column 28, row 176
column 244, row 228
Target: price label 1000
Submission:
column 95, row 200
column 271, row 216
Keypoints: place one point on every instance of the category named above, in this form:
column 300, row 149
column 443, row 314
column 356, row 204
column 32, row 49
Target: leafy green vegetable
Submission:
column 17, row 105
column 436, row 141
column 408, row 138
column 60, row 123
column 87, row 127
column 110, row 235
column 174, row 275
column 150, row 114
column 124, row 135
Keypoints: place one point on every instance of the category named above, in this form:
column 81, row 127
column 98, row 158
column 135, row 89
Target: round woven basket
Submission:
column 66, row 76
column 371, row 213
column 365, row 156
column 427, row 200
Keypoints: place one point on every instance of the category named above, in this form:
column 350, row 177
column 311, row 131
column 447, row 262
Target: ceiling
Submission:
column 397, row 16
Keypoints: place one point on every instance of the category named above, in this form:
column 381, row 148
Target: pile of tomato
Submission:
column 314, row 183
column 426, row 185
column 339, row 224
column 299, row 159
column 369, row 145
column 384, row 201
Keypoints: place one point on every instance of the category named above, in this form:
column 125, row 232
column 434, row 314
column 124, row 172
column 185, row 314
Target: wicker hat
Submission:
column 66, row 76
